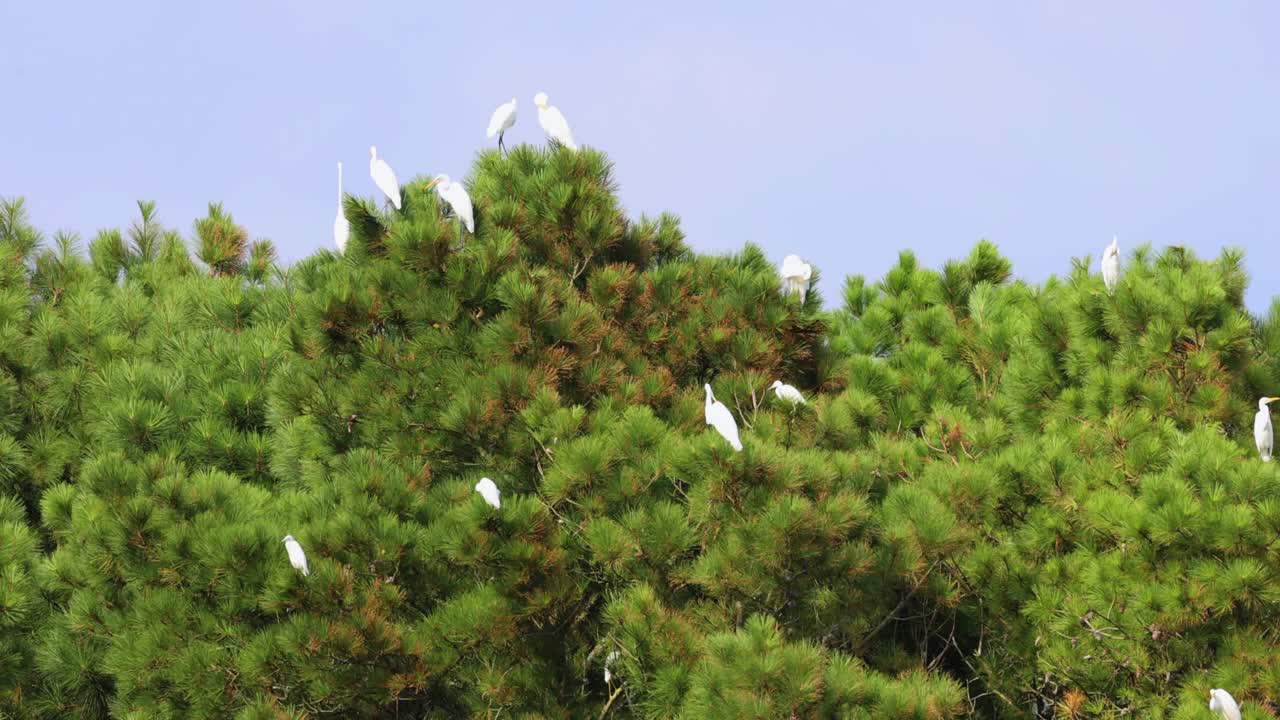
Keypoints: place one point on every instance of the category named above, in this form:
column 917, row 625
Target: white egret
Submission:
column 795, row 276
column 341, row 228
column 607, row 662
column 1111, row 264
column 787, row 392
column 553, row 122
column 719, row 417
column 1262, row 434
column 297, row 558
column 384, row 177
column 489, row 491
column 456, row 195
column 503, row 118
column 1221, row 702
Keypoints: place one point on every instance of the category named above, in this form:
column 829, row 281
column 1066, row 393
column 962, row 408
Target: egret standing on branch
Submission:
column 553, row 122
column 1111, row 264
column 1262, row 434
column 456, row 196
column 341, row 228
column 795, row 276
column 719, row 417
column 503, row 118
column 297, row 558
column 609, row 659
column 787, row 392
column 384, row 177
column 489, row 491
column 1221, row 702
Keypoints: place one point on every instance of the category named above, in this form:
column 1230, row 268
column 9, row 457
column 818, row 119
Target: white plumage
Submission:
column 608, row 676
column 503, row 118
column 1111, row 264
column 384, row 177
column 553, row 122
column 297, row 558
column 719, row 417
column 456, row 195
column 341, row 228
column 795, row 276
column 787, row 392
column 1262, row 432
column 489, row 491
column 1221, row 702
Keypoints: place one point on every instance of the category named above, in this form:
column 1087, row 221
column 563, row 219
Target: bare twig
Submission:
column 609, row 704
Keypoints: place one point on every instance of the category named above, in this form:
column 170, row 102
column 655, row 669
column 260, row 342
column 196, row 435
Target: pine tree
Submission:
column 1103, row 520
column 560, row 326
column 999, row 500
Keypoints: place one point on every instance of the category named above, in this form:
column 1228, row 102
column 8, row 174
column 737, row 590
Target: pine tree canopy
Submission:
column 998, row 500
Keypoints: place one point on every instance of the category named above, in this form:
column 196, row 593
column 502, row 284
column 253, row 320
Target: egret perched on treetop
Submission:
column 341, row 228
column 384, row 177
column 1262, row 434
column 1111, row 264
column 297, row 558
column 503, row 118
column 787, row 392
column 553, row 122
column 489, row 491
column 1221, row 702
column 719, row 417
column 456, row 196
column 795, row 275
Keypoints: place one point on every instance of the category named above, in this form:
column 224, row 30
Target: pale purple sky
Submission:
column 840, row 131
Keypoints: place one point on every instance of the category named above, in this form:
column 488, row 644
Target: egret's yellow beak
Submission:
column 1273, row 399
column 430, row 185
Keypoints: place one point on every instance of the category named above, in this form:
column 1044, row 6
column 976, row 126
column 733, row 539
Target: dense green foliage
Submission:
column 1000, row 501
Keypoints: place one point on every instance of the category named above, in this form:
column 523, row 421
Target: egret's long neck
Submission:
column 710, row 398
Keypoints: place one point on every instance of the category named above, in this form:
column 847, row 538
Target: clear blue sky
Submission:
column 840, row 131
